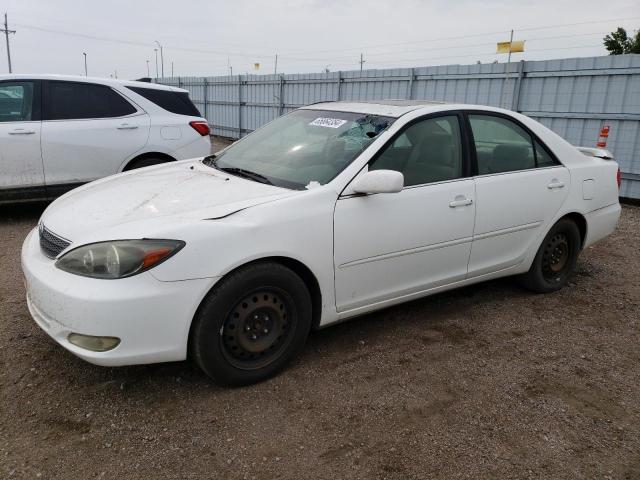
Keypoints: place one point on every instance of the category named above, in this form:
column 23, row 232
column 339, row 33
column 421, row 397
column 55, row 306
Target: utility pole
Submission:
column 510, row 46
column 148, row 75
column 275, row 67
column 171, row 68
column 6, row 32
column 156, row 50
column 85, row 64
column 362, row 60
column 161, row 58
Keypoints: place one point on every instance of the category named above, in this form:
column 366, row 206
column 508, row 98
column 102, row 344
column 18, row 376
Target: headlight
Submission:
column 118, row 258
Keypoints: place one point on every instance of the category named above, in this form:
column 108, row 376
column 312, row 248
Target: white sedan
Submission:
column 329, row 212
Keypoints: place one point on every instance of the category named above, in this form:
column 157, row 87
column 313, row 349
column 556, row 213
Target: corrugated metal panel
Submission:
column 574, row 97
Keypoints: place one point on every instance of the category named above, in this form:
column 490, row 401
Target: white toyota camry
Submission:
column 332, row 211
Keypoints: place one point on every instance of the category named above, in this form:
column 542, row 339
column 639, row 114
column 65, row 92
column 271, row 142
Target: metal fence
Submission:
column 574, row 97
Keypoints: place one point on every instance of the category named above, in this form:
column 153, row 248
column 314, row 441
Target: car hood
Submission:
column 185, row 190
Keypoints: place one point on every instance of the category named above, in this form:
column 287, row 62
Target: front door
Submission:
column 20, row 156
column 395, row 245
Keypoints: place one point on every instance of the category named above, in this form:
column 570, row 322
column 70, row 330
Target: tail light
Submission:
column 201, row 127
column 619, row 177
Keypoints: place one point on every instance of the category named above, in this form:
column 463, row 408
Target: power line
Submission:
column 457, row 37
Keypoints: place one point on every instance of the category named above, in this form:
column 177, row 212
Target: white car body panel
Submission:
column 83, row 150
column 20, row 157
column 365, row 252
column 74, row 151
column 384, row 249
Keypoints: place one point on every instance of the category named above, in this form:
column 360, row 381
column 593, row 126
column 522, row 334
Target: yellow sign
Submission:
column 511, row 47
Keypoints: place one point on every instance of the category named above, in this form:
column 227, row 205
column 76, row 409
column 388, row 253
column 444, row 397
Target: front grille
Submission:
column 50, row 243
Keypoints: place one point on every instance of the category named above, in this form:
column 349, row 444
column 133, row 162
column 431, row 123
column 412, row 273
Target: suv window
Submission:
column 16, row 101
column 427, row 151
column 501, row 145
column 75, row 100
column 174, row 102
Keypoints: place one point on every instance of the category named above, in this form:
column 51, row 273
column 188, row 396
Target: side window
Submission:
column 71, row 100
column 543, row 158
column 16, row 101
column 501, row 145
column 427, row 151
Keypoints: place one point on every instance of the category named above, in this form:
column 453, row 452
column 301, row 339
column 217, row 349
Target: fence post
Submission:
column 515, row 103
column 239, row 106
column 205, row 95
column 340, row 85
column 410, row 85
column 179, row 82
column 281, row 106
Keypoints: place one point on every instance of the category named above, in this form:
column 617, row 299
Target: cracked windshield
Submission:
column 301, row 148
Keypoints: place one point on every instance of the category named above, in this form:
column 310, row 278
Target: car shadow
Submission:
column 19, row 212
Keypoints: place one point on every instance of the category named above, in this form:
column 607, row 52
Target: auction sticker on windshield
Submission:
column 328, row 122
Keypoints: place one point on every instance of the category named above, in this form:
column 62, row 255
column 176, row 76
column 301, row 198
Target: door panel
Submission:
column 513, row 208
column 389, row 245
column 20, row 155
column 84, row 150
column 88, row 131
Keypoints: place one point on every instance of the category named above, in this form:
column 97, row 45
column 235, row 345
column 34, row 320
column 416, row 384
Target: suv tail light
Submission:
column 619, row 178
column 201, row 127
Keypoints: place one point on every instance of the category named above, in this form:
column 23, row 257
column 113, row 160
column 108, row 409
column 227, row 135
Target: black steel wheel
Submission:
column 251, row 324
column 257, row 329
column 556, row 258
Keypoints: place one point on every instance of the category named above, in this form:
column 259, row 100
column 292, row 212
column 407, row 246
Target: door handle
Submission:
column 126, row 126
column 555, row 184
column 21, row 131
column 460, row 201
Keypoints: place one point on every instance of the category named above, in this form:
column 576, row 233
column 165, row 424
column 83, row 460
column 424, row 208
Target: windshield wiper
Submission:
column 241, row 172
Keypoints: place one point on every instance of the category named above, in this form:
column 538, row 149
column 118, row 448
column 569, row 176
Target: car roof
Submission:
column 112, row 82
column 397, row 108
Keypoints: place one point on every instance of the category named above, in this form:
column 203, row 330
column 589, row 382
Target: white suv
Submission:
column 57, row 132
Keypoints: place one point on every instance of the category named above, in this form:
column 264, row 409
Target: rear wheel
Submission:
column 252, row 324
column 145, row 162
column 555, row 260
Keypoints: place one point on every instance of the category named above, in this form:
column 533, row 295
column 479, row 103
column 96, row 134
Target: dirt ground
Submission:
column 488, row 381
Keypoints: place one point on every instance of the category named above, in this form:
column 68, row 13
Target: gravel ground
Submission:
column 488, row 381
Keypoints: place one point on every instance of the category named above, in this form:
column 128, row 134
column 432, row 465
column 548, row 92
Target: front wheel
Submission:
column 252, row 324
column 555, row 260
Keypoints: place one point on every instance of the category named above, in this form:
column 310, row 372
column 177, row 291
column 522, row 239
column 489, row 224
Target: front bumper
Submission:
column 152, row 318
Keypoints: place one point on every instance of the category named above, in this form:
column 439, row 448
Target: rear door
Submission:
column 520, row 186
column 88, row 131
column 20, row 156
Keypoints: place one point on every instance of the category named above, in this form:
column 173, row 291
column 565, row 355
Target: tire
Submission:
column 251, row 325
column 555, row 260
column 145, row 162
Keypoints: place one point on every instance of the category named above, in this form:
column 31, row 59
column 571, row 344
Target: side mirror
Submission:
column 379, row 181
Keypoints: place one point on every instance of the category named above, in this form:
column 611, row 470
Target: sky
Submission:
column 216, row 37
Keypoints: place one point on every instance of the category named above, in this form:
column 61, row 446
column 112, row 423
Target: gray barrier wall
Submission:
column 573, row 96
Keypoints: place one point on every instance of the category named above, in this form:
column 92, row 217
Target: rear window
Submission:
column 174, row 102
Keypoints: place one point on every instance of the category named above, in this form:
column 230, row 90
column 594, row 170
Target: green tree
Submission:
column 618, row 42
